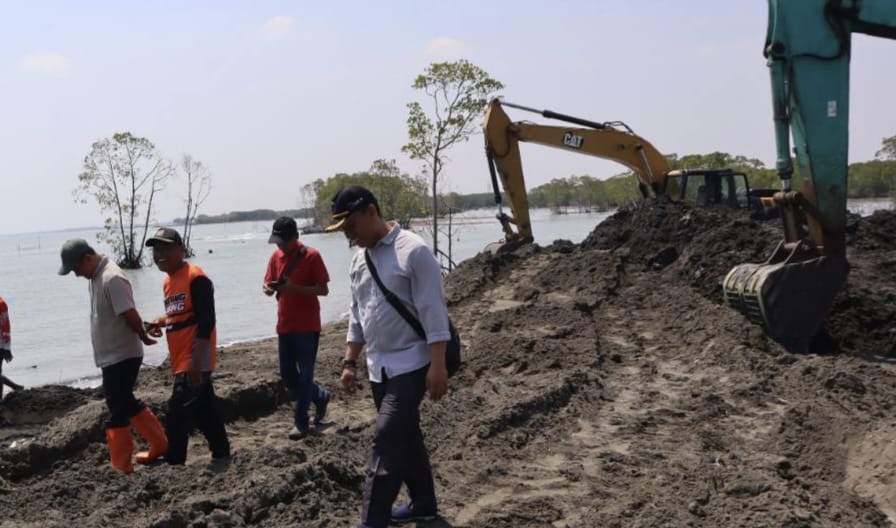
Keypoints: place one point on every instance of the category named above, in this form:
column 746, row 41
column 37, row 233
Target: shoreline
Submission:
column 93, row 382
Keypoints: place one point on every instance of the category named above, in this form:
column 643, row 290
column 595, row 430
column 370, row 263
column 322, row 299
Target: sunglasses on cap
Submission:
column 350, row 207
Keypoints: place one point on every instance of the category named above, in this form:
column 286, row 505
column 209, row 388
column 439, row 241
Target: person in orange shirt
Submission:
column 189, row 323
column 5, row 348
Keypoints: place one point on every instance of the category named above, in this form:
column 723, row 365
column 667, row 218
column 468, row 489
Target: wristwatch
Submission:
column 350, row 363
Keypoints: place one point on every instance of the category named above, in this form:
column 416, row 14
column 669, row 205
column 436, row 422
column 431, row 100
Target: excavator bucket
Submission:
column 789, row 295
column 500, row 247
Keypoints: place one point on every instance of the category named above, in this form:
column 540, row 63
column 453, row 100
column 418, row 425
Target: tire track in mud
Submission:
column 536, row 400
column 553, row 464
column 601, row 450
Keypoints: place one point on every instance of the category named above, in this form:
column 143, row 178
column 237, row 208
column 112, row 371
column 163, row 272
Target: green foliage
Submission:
column 872, row 179
column 246, row 216
column 464, row 202
column 401, row 197
column 123, row 174
column 888, row 152
column 758, row 175
column 585, row 192
column 459, row 92
column 714, row 160
column 888, row 149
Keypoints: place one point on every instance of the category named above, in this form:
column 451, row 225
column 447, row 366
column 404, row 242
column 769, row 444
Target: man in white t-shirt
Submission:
column 118, row 336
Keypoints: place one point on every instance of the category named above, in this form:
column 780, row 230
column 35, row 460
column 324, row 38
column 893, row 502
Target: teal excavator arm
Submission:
column 808, row 50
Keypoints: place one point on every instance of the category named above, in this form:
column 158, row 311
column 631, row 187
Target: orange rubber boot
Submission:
column 121, row 447
column 149, row 428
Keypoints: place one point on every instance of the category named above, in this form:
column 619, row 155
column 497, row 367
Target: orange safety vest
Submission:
column 180, row 320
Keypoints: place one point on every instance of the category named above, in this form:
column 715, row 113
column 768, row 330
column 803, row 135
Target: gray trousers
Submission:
column 398, row 454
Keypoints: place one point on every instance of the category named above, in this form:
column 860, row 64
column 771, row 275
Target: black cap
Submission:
column 284, row 229
column 166, row 235
column 348, row 200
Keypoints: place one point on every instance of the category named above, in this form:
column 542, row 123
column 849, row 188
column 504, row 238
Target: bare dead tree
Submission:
column 123, row 174
column 199, row 186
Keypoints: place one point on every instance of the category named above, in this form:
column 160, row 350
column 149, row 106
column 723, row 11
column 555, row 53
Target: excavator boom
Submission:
column 612, row 141
column 808, row 51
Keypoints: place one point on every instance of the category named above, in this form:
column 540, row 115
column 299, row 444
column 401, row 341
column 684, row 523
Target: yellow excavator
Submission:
column 610, row 140
column 808, row 51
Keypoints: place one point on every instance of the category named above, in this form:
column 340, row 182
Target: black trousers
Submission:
column 189, row 408
column 118, row 385
column 398, row 454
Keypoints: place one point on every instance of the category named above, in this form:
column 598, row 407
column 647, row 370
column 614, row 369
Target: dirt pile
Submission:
column 605, row 384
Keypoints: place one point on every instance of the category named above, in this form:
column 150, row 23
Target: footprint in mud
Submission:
column 525, row 490
column 273, row 429
column 562, row 478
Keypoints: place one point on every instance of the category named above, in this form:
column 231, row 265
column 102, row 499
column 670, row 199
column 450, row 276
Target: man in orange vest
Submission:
column 189, row 323
column 118, row 336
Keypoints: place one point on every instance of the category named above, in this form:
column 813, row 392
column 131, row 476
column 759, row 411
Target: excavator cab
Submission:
column 705, row 187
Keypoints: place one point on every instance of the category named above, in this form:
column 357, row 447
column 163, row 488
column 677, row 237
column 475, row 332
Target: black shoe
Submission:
column 320, row 408
column 297, row 434
column 407, row 514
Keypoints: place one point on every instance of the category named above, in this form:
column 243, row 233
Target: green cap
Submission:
column 71, row 253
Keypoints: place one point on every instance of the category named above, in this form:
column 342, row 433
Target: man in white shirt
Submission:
column 401, row 366
column 117, row 333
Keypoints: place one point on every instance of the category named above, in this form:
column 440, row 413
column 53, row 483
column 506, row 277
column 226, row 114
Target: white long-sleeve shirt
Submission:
column 408, row 268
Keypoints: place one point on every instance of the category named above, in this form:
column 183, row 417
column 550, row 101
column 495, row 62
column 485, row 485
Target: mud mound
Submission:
column 698, row 246
column 874, row 232
column 702, row 244
column 34, row 407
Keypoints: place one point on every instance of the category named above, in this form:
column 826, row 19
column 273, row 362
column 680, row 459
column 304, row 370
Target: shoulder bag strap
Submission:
column 394, row 300
column 295, row 262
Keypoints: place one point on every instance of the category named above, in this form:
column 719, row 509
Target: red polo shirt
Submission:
column 295, row 312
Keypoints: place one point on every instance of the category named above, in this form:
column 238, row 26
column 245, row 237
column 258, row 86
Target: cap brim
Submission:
column 336, row 226
column 63, row 270
column 276, row 239
column 153, row 241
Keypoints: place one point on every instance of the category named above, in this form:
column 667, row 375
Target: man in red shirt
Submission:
column 297, row 275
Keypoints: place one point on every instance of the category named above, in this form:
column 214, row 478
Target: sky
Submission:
column 273, row 95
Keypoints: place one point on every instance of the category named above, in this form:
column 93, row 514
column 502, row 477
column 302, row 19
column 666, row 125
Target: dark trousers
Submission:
column 298, row 353
column 189, row 407
column 118, row 385
column 398, row 454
